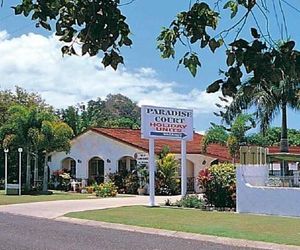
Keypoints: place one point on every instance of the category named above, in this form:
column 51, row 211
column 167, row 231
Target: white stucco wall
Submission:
column 200, row 162
column 89, row 145
column 261, row 199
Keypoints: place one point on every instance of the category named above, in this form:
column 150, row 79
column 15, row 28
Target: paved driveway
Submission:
column 54, row 209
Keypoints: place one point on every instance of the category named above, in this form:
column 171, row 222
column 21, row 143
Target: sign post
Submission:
column 151, row 172
column 183, row 169
column 169, row 124
column 20, row 150
column 5, row 163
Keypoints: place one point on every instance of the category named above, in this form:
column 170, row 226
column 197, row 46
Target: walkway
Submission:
column 54, row 209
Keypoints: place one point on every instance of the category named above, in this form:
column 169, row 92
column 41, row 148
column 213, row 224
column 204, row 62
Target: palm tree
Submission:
column 268, row 99
column 35, row 130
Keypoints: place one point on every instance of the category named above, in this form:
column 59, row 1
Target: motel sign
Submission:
column 167, row 123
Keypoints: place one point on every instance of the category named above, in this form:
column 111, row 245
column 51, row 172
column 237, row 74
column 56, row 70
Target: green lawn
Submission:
column 261, row 228
column 57, row 195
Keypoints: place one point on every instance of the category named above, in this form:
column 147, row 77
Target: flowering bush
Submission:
column 219, row 184
column 89, row 189
column 60, row 179
column 107, row 189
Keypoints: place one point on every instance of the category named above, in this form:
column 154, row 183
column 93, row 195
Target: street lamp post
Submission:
column 20, row 150
column 5, row 163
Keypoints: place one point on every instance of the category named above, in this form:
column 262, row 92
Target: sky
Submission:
column 30, row 58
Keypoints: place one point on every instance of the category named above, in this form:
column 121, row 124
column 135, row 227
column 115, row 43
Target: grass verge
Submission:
column 274, row 229
column 57, row 195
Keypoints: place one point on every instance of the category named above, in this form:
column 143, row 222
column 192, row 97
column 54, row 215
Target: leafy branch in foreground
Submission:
column 93, row 26
column 200, row 27
column 272, row 85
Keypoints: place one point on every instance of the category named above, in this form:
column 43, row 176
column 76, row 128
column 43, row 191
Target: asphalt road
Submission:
column 23, row 232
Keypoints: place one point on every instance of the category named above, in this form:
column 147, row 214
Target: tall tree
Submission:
column 20, row 131
column 26, row 128
column 54, row 136
column 116, row 111
column 273, row 85
column 71, row 116
column 20, row 96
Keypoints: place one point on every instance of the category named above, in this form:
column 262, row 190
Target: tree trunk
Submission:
column 45, row 181
column 28, row 170
column 284, row 145
column 36, row 170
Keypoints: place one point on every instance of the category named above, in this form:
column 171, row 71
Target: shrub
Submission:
column 60, row 180
column 119, row 179
column 219, row 184
column 192, row 201
column 2, row 183
column 167, row 174
column 107, row 189
column 132, row 183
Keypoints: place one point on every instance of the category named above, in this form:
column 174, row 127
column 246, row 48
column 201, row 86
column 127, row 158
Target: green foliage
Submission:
column 167, row 174
column 192, row 25
column 190, row 201
column 272, row 85
column 272, row 137
column 106, row 189
column 143, row 174
column 232, row 137
column 132, row 183
column 60, row 180
column 116, row 111
column 35, row 128
column 119, row 178
column 97, row 26
column 129, row 182
column 71, row 116
column 219, row 184
column 215, row 134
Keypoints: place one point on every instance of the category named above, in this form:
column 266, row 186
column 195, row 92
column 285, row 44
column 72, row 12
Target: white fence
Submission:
column 253, row 196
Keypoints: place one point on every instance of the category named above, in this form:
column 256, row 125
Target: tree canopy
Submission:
column 114, row 111
column 100, row 26
column 233, row 136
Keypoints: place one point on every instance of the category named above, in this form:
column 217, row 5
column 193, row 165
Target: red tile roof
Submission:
column 133, row 137
column 292, row 149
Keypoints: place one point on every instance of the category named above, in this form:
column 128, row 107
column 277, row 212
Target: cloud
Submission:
column 3, row 35
column 35, row 63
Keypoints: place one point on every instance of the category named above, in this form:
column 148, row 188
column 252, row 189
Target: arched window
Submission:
column 69, row 166
column 96, row 169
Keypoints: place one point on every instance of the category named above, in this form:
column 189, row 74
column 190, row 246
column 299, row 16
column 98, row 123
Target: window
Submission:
column 73, row 169
column 132, row 165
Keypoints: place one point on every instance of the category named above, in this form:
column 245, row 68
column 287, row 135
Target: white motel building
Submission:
column 100, row 151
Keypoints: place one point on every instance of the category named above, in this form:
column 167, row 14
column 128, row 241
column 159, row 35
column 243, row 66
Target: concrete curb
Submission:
column 182, row 235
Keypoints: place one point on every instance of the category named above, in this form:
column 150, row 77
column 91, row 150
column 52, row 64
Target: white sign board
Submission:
column 142, row 158
column 167, row 123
